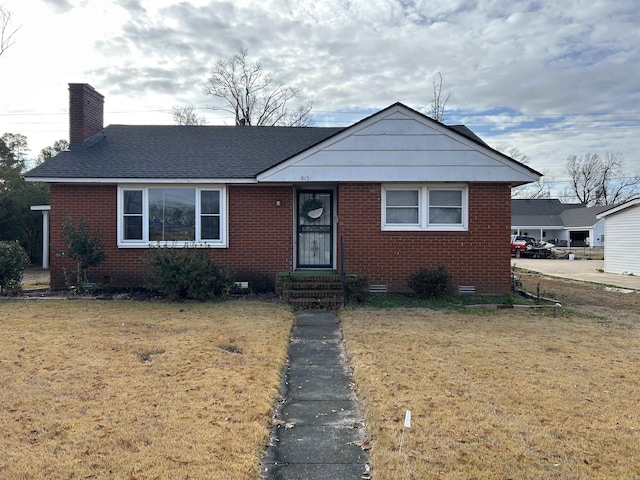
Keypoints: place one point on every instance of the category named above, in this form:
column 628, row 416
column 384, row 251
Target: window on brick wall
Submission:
column 424, row 207
column 172, row 216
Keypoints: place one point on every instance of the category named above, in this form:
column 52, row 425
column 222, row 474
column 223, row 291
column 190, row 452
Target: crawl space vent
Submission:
column 467, row 289
column 377, row 289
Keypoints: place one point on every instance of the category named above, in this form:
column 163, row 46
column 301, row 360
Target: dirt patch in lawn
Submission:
column 503, row 394
column 138, row 390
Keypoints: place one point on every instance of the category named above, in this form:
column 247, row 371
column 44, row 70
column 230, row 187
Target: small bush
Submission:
column 356, row 290
column 83, row 246
column 13, row 262
column 431, row 283
column 187, row 273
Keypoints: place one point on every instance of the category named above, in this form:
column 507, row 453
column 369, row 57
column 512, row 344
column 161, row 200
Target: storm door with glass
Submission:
column 315, row 229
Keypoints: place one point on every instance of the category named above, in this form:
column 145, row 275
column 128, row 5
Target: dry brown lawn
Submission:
column 137, row 390
column 503, row 394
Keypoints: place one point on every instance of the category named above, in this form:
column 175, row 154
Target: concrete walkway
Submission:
column 321, row 428
column 582, row 270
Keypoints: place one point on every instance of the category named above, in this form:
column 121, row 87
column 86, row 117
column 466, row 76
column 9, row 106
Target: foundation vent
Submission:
column 377, row 289
column 466, row 289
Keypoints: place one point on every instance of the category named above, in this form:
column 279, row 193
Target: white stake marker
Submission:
column 407, row 419
column 407, row 424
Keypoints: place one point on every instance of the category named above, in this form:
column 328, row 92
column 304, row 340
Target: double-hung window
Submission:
column 172, row 215
column 424, row 207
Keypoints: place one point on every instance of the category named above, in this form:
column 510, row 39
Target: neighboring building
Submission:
column 563, row 224
column 621, row 223
column 398, row 190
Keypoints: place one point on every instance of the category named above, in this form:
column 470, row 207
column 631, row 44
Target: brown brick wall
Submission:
column 479, row 256
column 260, row 236
column 259, row 233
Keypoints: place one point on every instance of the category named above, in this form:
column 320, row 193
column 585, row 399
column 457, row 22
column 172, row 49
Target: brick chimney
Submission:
column 86, row 115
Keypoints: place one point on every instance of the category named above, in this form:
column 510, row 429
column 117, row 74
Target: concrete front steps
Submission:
column 311, row 289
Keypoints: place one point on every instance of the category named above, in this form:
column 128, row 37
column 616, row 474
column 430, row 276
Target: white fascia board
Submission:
column 571, row 229
column 216, row 181
column 544, row 227
column 617, row 209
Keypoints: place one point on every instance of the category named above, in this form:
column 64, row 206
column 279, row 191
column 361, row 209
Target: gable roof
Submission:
column 395, row 144
column 399, row 144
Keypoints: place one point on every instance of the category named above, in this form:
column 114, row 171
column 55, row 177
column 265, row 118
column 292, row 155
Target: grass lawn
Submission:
column 502, row 394
column 138, row 390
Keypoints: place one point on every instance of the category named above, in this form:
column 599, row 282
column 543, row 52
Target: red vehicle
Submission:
column 522, row 246
column 519, row 245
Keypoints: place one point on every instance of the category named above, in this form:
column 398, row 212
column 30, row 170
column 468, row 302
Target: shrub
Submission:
column 83, row 246
column 13, row 262
column 356, row 290
column 431, row 283
column 187, row 273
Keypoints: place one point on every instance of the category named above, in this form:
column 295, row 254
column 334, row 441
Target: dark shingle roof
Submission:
column 464, row 131
column 552, row 212
column 169, row 151
column 581, row 217
column 540, row 206
column 536, row 220
column 539, row 212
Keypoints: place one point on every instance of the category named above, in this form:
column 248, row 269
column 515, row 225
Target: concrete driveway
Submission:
column 583, row 270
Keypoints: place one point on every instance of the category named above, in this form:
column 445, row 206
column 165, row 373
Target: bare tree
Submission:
column 539, row 189
column 186, row 115
column 596, row 180
column 437, row 108
column 252, row 96
column 532, row 191
column 6, row 33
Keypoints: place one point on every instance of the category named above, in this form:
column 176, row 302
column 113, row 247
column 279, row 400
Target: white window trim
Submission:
column 423, row 208
column 145, row 243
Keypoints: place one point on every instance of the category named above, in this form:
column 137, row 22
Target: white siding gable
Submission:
column 399, row 145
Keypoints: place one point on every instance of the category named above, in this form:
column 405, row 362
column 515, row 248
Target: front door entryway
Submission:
column 315, row 229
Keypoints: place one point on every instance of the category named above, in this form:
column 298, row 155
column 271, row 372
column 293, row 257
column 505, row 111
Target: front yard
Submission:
column 146, row 390
column 502, row 395
column 137, row 390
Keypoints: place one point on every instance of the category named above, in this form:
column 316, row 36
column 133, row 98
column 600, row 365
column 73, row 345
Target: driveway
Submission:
column 583, row 270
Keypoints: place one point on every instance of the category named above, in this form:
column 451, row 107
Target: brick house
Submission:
column 398, row 190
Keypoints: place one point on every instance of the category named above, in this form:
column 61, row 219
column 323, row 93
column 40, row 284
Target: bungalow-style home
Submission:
column 621, row 223
column 390, row 194
column 563, row 224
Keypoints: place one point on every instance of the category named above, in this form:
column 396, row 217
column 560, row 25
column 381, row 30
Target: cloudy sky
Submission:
column 551, row 78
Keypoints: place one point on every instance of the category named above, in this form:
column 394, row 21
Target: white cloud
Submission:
column 517, row 61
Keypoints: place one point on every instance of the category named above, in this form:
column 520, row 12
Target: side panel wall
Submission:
column 620, row 227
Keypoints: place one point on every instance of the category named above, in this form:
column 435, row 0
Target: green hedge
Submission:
column 431, row 283
column 187, row 273
column 13, row 262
